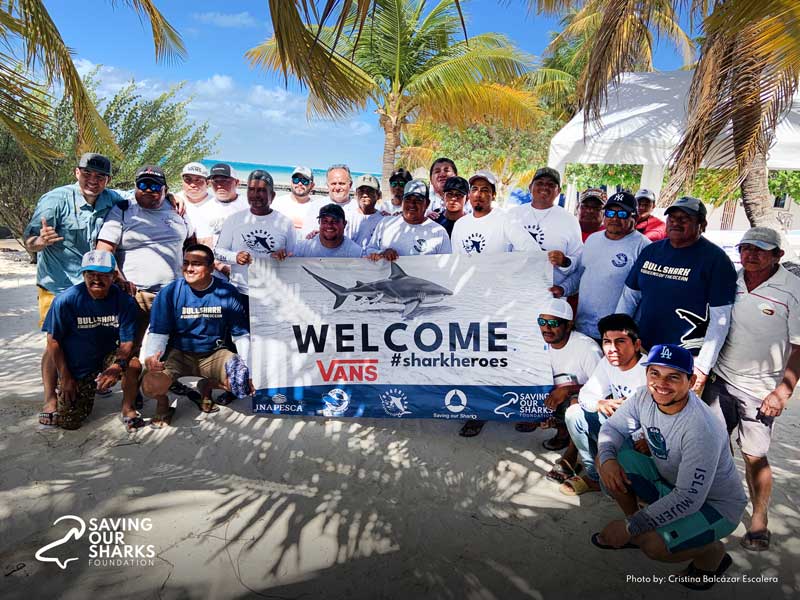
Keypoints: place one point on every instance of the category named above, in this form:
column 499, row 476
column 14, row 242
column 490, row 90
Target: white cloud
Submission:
column 227, row 20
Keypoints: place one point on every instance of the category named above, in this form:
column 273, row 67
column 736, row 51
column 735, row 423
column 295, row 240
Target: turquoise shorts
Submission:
column 696, row 530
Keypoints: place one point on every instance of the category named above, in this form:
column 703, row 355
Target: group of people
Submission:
column 659, row 348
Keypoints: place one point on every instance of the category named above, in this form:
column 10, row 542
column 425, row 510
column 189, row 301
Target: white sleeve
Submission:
column 595, row 389
column 374, row 246
column 628, row 301
column 521, row 241
column 719, row 322
column 446, row 247
column 156, row 344
column 223, row 250
column 243, row 348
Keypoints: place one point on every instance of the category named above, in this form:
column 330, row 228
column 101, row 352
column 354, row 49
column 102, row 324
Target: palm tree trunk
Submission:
column 391, row 141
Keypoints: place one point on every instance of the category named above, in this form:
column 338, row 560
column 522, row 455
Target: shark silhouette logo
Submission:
column 398, row 288
column 694, row 337
column 395, row 403
column 75, row 533
column 505, row 408
column 474, row 243
column 337, row 402
column 259, row 241
column 536, row 233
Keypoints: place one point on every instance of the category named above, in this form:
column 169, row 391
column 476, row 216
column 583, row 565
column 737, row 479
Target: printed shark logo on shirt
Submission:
column 694, row 337
column 474, row 243
column 658, row 445
column 420, row 245
column 259, row 241
column 536, row 233
column 398, row 288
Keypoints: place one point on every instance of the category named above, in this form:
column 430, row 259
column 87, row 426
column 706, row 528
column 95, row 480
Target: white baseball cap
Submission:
column 195, row 168
column 558, row 307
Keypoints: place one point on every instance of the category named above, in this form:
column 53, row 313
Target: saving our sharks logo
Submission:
column 259, row 241
column 399, row 288
column 506, row 409
column 694, row 337
column 525, row 405
column 475, row 242
column 395, row 402
column 74, row 533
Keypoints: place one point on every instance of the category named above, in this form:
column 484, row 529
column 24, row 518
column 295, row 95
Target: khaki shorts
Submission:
column 144, row 302
column 199, row 364
column 45, row 299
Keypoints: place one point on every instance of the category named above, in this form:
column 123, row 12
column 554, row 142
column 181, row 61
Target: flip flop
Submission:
column 704, row 580
column 206, row 405
column 756, row 541
column 48, row 420
column 562, row 470
column 132, row 423
column 596, row 541
column 163, row 420
column 575, row 486
column 471, row 428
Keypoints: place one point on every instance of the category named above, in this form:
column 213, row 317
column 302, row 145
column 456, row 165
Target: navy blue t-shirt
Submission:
column 198, row 321
column 678, row 286
column 88, row 330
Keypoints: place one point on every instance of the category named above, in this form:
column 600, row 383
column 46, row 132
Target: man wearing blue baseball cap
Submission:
column 689, row 483
column 90, row 333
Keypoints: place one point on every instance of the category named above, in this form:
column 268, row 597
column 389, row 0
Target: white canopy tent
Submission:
column 642, row 122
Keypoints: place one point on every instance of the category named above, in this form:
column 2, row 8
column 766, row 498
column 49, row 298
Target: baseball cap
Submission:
column 416, row 187
column 488, row 176
column 260, row 175
column 689, row 205
column 645, row 193
column 456, row 184
column 150, row 173
column 304, row 171
column 672, row 356
column 367, row 181
column 761, row 237
column 623, row 199
column 593, row 193
column 548, row 172
column 95, row 162
column 400, row 175
column 331, row 210
column 222, row 170
column 195, row 168
column 98, row 260
column 558, row 307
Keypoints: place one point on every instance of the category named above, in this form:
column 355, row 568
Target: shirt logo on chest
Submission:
column 420, row 246
column 474, row 243
column 657, row 443
column 536, row 233
column 259, row 241
column 620, row 260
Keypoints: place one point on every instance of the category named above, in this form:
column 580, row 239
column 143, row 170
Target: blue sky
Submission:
column 258, row 118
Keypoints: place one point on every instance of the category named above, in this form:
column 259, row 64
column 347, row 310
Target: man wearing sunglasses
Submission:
column 397, row 181
column 607, row 258
column 298, row 204
column 63, row 228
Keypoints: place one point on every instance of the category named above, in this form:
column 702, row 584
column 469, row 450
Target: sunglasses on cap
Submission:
column 300, row 179
column 610, row 213
column 549, row 322
column 150, row 186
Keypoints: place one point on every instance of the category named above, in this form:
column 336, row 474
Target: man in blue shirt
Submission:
column 90, row 329
column 63, row 228
column 189, row 323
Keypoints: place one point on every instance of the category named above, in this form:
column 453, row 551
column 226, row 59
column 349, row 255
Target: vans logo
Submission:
column 353, row 370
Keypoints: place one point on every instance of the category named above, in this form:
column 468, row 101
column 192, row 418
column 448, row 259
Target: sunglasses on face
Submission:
column 610, row 213
column 302, row 180
column 549, row 322
column 397, row 184
column 150, row 187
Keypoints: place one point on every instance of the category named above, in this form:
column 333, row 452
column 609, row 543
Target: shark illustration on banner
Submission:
column 442, row 336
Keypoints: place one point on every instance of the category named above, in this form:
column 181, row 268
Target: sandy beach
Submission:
column 244, row 506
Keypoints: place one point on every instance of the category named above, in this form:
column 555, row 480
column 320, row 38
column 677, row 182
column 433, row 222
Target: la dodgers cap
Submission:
column 304, row 171
column 195, row 168
column 645, row 193
column 332, row 210
column 761, row 237
column 558, row 307
column 672, row 356
column 98, row 260
column 456, row 184
column 416, row 187
column 95, row 162
column 689, row 205
column 548, row 172
column 367, row 181
column 150, row 173
column 623, row 199
column 487, row 175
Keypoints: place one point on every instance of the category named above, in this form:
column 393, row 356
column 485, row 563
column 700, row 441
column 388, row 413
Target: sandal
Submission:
column 563, row 470
column 471, row 428
column 161, row 421
column 48, row 420
column 182, row 390
column 556, row 443
column 526, row 427
column 206, row 405
column 132, row 423
column 756, row 541
column 576, row 486
column 700, row 580
column 596, row 541
column 226, row 398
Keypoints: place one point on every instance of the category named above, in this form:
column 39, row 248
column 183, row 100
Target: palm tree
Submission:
column 408, row 62
column 34, row 44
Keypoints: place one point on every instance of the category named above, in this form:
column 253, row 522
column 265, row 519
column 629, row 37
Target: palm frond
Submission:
column 167, row 41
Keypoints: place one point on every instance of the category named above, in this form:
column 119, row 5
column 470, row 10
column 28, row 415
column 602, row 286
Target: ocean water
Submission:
column 281, row 174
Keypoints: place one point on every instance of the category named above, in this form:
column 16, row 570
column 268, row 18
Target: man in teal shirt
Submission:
column 63, row 228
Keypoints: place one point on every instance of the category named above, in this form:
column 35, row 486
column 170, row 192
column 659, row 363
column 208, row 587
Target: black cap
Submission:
column 689, row 205
column 331, row 210
column 400, row 175
column 548, row 172
column 150, row 173
column 221, row 169
column 260, row 175
column 95, row 162
column 458, row 184
column 623, row 199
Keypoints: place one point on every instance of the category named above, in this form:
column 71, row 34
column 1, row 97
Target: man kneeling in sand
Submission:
column 693, row 493
column 189, row 323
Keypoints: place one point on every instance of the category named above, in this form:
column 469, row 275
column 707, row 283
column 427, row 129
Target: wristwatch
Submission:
column 122, row 363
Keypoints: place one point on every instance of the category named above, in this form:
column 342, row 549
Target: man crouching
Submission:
column 189, row 323
column 693, row 493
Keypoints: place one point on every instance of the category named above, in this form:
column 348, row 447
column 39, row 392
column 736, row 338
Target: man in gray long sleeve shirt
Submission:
column 690, row 483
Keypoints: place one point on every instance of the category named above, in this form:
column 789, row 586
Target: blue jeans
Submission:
column 584, row 428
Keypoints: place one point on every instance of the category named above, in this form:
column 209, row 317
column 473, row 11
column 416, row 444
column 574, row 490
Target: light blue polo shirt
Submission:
column 78, row 222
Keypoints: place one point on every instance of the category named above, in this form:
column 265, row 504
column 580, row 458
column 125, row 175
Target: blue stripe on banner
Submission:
column 490, row 403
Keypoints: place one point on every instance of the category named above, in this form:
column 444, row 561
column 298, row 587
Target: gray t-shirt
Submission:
column 604, row 265
column 149, row 243
column 314, row 248
column 690, row 451
column 360, row 227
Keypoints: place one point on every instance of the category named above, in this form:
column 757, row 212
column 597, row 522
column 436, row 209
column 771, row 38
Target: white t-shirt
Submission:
column 303, row 216
column 202, row 215
column 576, row 360
column 409, row 240
column 360, row 227
column 389, row 208
column 149, row 243
column 607, row 380
column 490, row 234
column 314, row 248
column 764, row 324
column 258, row 235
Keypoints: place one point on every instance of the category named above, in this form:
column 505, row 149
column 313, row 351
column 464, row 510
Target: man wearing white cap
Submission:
column 90, row 333
column 759, row 365
column 650, row 226
column 298, row 204
column 197, row 200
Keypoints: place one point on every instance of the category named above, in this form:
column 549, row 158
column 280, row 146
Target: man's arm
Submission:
column 628, row 301
column 67, row 383
column 595, row 389
column 719, row 323
column 775, row 402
